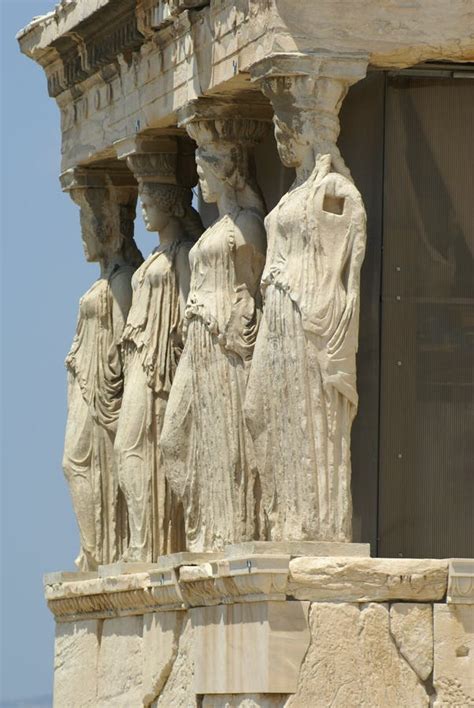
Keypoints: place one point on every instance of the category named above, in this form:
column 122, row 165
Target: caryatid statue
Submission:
column 301, row 396
column 107, row 201
column 207, row 450
column 152, row 339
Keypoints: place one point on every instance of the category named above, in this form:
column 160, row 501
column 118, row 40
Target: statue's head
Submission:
column 160, row 203
column 224, row 158
column 292, row 144
column 107, row 222
column 97, row 228
column 306, row 91
column 165, row 171
column 301, row 126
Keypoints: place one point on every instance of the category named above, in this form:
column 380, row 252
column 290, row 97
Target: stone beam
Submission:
column 114, row 78
column 164, row 158
column 103, row 190
column 111, row 175
column 395, row 34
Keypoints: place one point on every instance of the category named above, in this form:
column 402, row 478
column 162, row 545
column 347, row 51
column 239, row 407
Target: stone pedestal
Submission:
column 264, row 630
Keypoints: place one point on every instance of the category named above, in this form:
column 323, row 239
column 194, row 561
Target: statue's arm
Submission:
column 121, row 288
column 249, row 259
column 184, row 274
column 250, row 243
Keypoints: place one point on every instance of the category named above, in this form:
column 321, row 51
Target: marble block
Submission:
column 124, row 568
column 75, row 663
column 120, row 663
column 353, row 661
column 411, row 626
column 249, row 648
column 367, row 579
column 65, row 576
column 453, row 675
column 295, row 549
column 461, row 581
column 175, row 560
column 161, row 636
column 248, row 579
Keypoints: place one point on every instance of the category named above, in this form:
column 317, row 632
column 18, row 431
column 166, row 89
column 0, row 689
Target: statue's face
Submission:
column 291, row 149
column 154, row 216
column 91, row 229
column 99, row 222
column 211, row 185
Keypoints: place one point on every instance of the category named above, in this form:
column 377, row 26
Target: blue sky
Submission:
column 43, row 276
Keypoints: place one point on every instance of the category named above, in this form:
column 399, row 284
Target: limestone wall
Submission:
column 369, row 632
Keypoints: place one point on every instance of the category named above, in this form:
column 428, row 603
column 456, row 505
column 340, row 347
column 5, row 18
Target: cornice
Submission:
column 182, row 581
column 77, row 40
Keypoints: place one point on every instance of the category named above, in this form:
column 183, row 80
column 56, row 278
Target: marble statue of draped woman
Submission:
column 95, row 387
column 301, row 395
column 209, row 461
column 152, row 345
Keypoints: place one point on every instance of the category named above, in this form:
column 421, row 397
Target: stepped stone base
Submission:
column 263, row 630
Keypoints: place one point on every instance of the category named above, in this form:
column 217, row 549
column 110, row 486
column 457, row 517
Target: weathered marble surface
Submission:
column 297, row 548
column 368, row 579
column 249, row 648
column 453, row 676
column 261, row 654
column 120, row 662
column 162, row 632
column 212, row 49
column 179, row 688
column 256, row 700
column 205, row 444
column 301, row 396
column 126, row 661
column 352, row 645
column 95, row 363
column 76, row 652
column 245, row 579
column 152, row 344
column 411, row 625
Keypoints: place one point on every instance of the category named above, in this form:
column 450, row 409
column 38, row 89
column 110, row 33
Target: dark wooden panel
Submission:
column 427, row 384
column 361, row 143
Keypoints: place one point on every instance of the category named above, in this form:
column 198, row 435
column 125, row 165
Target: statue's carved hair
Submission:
column 176, row 201
column 110, row 213
column 236, row 131
column 309, row 108
column 227, row 147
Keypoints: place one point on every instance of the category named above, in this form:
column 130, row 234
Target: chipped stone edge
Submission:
column 251, row 578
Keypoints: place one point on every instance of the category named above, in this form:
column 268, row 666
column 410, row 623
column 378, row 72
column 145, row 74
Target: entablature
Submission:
column 119, row 68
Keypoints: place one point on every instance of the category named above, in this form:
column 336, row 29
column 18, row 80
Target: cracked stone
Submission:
column 411, row 625
column 353, row 661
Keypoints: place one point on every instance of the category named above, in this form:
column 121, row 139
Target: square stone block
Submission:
column 120, row 665
column 461, row 581
column 296, row 549
column 75, row 663
column 249, row 648
column 453, row 676
column 161, row 634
